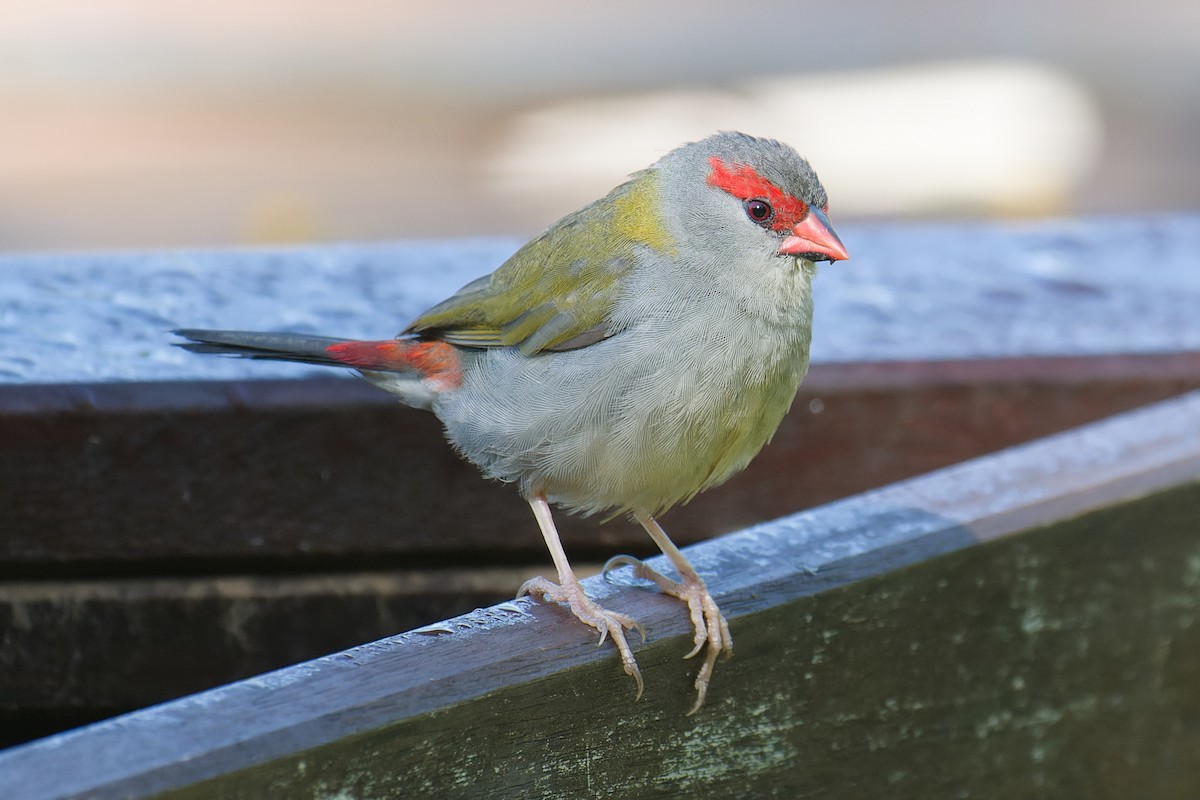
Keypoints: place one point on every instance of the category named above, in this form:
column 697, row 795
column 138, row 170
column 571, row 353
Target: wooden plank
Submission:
column 97, row 593
column 77, row 651
column 141, row 479
column 1019, row 625
column 912, row 292
column 123, row 460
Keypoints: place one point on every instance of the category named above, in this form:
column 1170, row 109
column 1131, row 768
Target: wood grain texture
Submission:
column 1020, row 624
column 1017, row 670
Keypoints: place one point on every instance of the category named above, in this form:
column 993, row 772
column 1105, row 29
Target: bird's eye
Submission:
column 759, row 211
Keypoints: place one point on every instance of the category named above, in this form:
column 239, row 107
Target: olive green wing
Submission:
column 557, row 291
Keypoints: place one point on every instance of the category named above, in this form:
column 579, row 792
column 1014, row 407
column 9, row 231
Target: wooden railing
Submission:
column 1023, row 624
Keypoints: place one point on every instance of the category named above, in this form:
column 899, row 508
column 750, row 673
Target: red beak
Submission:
column 814, row 236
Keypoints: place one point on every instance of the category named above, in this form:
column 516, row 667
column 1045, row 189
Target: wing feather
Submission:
column 557, row 291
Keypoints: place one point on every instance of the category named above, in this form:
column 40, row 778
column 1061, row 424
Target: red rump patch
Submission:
column 741, row 181
column 434, row 361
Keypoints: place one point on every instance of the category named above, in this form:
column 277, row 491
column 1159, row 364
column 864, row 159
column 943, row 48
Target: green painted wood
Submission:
column 1059, row 663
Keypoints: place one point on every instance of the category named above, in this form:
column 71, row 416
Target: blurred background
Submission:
column 143, row 124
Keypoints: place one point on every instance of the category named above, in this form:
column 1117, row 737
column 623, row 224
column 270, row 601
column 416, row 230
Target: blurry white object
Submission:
column 1000, row 137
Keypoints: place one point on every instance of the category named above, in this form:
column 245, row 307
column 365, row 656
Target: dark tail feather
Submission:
column 269, row 346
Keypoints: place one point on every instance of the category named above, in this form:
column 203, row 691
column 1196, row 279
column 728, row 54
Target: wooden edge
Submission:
column 365, row 688
column 1055, row 369
column 331, row 388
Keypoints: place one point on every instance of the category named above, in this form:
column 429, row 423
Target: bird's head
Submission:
column 732, row 194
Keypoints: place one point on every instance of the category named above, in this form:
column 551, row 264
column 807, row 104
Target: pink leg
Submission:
column 711, row 629
column 568, row 591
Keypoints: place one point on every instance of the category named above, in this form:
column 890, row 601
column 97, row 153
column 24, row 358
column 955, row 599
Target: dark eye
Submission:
column 759, row 211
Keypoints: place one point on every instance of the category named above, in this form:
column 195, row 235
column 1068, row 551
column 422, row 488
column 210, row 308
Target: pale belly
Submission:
column 619, row 426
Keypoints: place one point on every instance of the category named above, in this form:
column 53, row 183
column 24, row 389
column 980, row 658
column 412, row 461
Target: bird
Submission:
column 639, row 351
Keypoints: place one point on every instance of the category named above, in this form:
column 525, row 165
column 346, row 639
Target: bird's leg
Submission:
column 709, row 623
column 568, row 591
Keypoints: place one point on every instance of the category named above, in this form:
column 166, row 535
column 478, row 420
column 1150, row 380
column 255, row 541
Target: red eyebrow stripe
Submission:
column 741, row 181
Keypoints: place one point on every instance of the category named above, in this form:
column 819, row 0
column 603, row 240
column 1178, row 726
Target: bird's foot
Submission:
column 711, row 630
column 609, row 623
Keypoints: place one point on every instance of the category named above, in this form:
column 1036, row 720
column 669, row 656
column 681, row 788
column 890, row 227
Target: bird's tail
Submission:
column 431, row 360
column 270, row 346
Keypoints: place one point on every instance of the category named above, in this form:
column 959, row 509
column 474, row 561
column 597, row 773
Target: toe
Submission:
column 616, row 562
column 609, row 624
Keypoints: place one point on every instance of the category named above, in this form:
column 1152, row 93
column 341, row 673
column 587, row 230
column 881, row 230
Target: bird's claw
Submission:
column 709, row 624
column 587, row 611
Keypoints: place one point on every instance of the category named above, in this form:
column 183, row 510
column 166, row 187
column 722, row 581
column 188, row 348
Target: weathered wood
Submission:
column 293, row 491
column 123, row 460
column 1019, row 625
column 962, row 291
column 72, row 652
